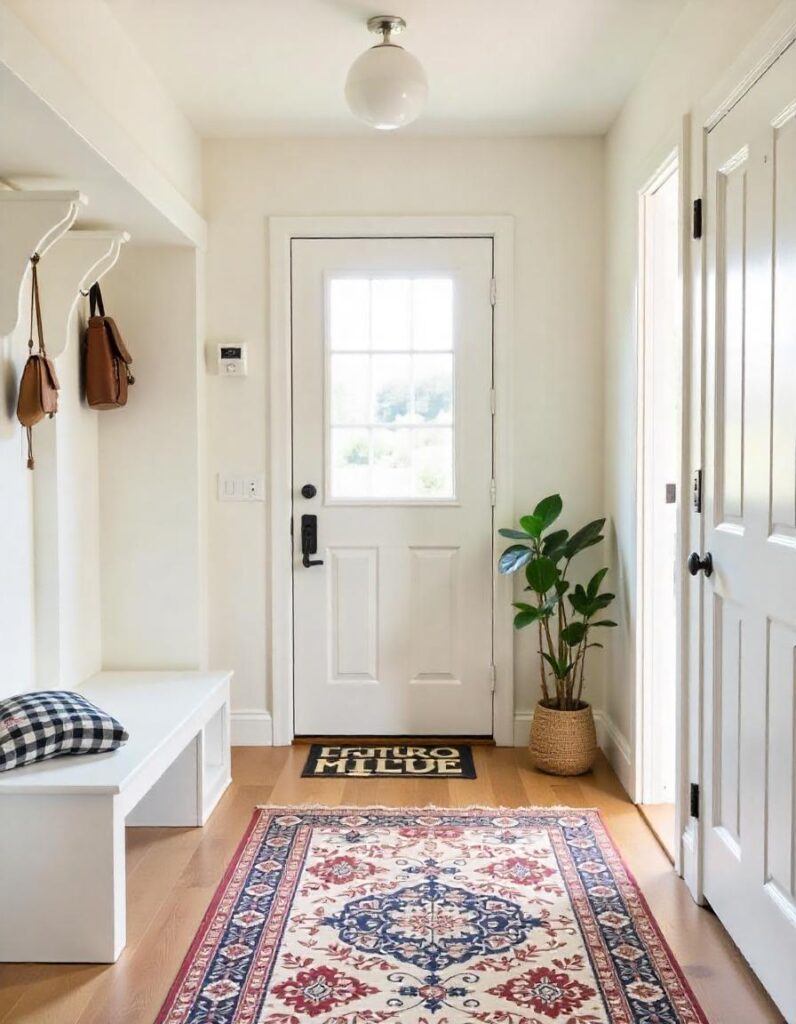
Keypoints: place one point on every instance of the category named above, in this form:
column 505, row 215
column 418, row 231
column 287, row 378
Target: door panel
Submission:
column 392, row 423
column 750, row 436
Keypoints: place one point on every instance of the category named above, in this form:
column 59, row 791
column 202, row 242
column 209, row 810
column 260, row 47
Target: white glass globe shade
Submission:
column 386, row 86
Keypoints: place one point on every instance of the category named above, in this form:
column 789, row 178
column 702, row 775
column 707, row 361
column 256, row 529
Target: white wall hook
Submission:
column 29, row 222
column 79, row 260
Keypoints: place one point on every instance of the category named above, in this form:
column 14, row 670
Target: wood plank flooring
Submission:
column 661, row 819
column 172, row 874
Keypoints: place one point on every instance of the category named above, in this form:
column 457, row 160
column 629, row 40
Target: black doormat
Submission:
column 404, row 760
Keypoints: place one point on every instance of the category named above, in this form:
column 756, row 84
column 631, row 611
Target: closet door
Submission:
column 750, row 508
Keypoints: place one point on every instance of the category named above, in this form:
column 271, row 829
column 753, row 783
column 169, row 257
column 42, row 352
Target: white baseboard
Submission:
column 616, row 747
column 613, row 743
column 252, row 728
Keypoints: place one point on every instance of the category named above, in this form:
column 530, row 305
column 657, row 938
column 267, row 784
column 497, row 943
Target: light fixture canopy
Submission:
column 386, row 86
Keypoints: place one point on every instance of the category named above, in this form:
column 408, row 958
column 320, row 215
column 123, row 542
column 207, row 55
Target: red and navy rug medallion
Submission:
column 428, row 916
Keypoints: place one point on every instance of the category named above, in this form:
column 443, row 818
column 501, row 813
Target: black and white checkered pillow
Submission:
column 35, row 726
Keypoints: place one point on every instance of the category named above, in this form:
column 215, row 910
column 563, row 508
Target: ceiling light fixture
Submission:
column 386, row 86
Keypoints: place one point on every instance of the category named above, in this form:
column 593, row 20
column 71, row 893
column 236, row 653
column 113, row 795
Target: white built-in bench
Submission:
column 62, row 851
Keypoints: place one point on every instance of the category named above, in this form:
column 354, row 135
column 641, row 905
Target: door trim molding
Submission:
column 281, row 232
column 643, row 731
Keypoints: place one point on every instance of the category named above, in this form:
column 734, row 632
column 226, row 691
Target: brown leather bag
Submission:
column 38, row 389
column 107, row 365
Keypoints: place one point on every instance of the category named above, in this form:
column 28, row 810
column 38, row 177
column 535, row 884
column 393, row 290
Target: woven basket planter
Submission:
column 563, row 742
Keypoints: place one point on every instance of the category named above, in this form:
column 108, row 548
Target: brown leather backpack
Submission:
column 107, row 365
column 38, row 389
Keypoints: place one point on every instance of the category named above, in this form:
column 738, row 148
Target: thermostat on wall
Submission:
column 232, row 359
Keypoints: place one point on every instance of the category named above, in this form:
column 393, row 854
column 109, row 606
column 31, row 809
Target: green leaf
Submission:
column 562, row 587
column 605, row 622
column 515, row 534
column 585, row 537
column 580, row 601
column 574, row 633
column 553, row 544
column 561, row 669
column 530, row 609
column 514, row 558
column 548, row 510
column 541, row 574
column 532, row 525
column 523, row 619
column 594, row 583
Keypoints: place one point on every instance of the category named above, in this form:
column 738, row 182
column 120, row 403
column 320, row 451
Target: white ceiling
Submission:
column 257, row 67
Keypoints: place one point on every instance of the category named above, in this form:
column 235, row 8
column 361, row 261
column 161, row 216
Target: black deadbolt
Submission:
column 309, row 491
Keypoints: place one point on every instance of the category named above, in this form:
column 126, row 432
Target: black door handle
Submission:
column 697, row 564
column 309, row 541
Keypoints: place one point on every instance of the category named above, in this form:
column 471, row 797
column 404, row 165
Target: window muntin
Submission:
column 391, row 389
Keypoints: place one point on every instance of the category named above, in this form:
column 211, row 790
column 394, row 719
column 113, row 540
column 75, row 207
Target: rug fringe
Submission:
column 553, row 808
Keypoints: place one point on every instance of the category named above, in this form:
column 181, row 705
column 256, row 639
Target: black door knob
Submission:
column 697, row 564
column 309, row 491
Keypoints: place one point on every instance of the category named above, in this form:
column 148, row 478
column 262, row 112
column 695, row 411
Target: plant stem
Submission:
column 582, row 657
column 545, row 691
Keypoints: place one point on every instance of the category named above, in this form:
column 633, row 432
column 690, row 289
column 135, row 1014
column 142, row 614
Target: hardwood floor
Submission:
column 661, row 819
column 172, row 874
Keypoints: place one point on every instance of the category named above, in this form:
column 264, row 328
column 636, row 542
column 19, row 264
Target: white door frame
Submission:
column 282, row 230
column 643, row 732
column 676, row 153
column 778, row 33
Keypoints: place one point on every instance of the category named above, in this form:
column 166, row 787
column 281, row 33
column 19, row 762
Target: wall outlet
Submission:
column 241, row 488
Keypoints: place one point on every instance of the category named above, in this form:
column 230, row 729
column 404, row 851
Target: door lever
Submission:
column 309, row 541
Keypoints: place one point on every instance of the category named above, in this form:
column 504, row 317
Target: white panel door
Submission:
column 750, row 622
column 392, row 428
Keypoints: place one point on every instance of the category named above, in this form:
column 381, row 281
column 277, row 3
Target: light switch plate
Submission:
column 241, row 488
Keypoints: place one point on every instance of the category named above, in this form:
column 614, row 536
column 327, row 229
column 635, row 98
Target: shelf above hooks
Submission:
column 29, row 222
column 79, row 260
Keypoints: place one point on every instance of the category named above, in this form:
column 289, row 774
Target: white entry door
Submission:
column 750, row 609
column 392, row 453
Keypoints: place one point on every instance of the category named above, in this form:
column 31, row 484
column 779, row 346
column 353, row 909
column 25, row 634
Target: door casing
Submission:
column 672, row 163
column 281, row 232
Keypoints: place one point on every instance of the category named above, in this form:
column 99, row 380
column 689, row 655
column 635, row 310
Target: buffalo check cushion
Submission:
column 36, row 726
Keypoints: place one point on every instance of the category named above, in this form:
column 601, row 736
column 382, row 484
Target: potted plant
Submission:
column 563, row 740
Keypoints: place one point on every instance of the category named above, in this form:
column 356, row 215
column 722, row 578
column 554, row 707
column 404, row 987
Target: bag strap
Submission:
column 95, row 300
column 35, row 306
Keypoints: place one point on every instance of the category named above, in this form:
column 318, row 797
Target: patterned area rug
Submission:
column 428, row 916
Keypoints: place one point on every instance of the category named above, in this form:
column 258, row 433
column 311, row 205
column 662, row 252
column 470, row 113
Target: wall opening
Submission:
column 659, row 417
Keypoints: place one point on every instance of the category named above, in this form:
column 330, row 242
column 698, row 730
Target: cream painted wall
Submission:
column 17, row 616
column 701, row 46
column 554, row 190
column 151, row 468
column 49, row 543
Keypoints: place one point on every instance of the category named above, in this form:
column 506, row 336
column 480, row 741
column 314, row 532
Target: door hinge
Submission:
column 694, row 800
column 697, row 221
column 493, row 291
column 492, row 493
column 493, row 400
column 696, row 491
column 492, row 677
